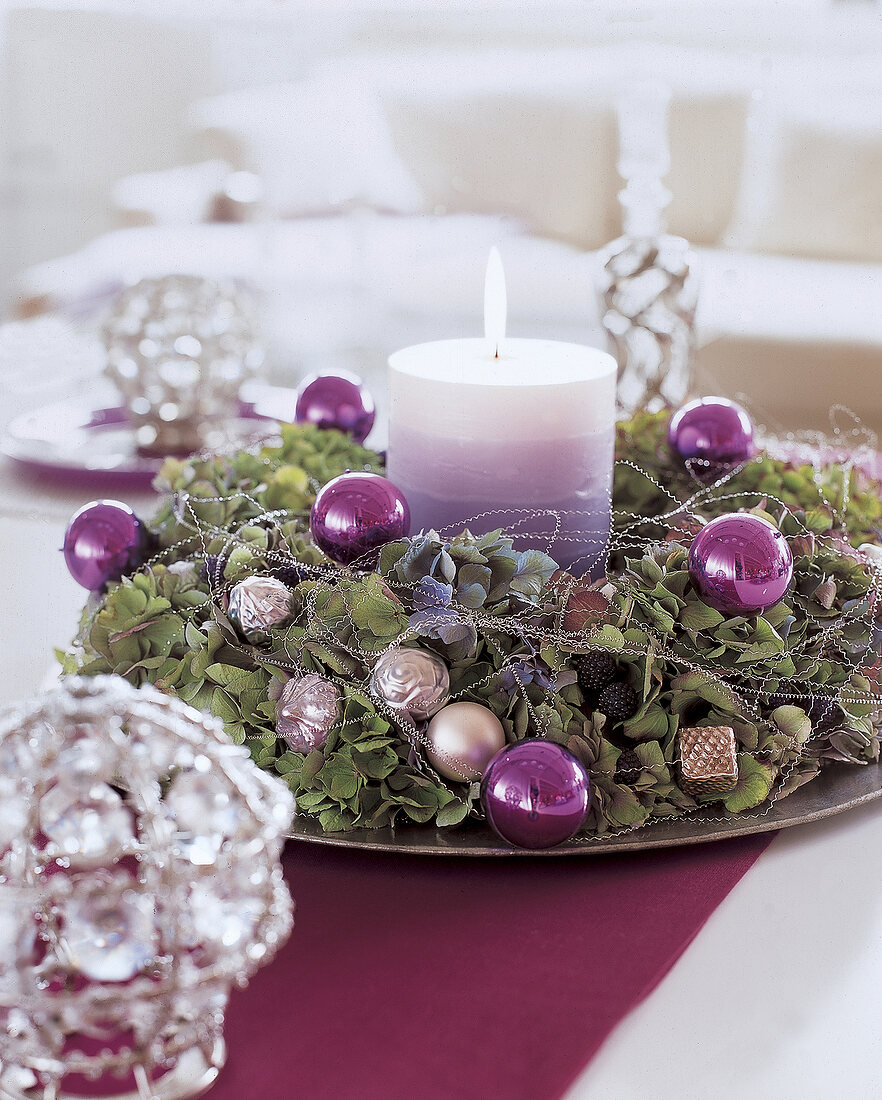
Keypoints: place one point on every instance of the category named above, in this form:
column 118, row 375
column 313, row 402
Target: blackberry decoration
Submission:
column 822, row 709
column 628, row 767
column 289, row 575
column 618, row 701
column 595, row 670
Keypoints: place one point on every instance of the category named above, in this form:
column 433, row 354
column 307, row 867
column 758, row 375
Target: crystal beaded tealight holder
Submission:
column 139, row 881
column 179, row 349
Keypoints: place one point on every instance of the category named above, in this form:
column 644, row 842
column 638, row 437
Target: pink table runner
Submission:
column 435, row 978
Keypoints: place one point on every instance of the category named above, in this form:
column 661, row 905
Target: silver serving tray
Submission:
column 838, row 788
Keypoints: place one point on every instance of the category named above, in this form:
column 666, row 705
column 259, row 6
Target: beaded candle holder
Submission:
column 139, row 881
column 647, row 282
column 179, row 349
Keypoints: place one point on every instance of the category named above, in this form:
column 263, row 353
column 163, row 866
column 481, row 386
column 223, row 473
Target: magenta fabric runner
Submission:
column 436, row 978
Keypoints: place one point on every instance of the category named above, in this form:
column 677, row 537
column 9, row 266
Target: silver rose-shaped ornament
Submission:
column 414, row 680
column 305, row 711
column 258, row 603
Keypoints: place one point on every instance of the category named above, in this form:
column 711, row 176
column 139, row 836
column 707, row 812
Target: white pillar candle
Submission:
column 485, row 433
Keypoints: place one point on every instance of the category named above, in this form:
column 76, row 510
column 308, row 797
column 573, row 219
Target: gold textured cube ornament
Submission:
column 707, row 760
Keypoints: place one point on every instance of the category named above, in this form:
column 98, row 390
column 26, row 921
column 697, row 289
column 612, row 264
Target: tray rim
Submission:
column 838, row 789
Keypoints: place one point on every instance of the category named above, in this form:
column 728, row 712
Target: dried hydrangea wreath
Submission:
column 613, row 670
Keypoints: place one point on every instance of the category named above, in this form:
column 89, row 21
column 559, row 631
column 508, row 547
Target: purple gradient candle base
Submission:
column 535, row 486
column 509, row 433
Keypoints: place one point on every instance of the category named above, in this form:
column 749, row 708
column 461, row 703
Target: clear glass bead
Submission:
column 87, row 825
column 179, row 349
column 109, row 937
column 223, row 918
column 203, row 807
column 13, row 811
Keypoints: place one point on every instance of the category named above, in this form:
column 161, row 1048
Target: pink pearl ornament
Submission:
column 461, row 739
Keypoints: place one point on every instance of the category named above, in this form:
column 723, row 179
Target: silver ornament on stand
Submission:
column 648, row 284
column 139, row 881
column 179, row 349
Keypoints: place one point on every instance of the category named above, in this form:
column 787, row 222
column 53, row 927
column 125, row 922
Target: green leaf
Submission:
column 534, row 570
column 235, row 680
column 698, row 616
column 194, row 637
column 794, row 723
column 223, row 707
column 452, row 814
column 608, row 637
column 650, row 725
column 753, row 786
column 622, row 807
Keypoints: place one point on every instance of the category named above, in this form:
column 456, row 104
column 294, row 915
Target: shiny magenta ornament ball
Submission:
column 740, row 564
column 103, row 540
column 711, row 436
column 338, row 401
column 535, row 794
column 355, row 514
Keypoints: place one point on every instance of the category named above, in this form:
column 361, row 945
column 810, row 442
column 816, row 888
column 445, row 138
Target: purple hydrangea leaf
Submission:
column 430, row 594
column 445, row 565
column 459, row 631
column 471, row 595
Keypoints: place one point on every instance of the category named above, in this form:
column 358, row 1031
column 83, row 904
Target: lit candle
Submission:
column 503, row 432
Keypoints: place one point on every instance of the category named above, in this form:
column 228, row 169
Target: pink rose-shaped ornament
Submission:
column 305, row 711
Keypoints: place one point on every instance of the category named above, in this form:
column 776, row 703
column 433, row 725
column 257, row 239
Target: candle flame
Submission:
column 495, row 301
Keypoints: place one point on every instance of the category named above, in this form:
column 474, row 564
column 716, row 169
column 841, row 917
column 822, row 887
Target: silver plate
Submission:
column 75, row 441
column 838, row 788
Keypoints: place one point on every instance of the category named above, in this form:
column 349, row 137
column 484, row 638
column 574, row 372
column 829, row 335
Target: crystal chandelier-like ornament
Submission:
column 139, row 881
column 179, row 349
column 648, row 285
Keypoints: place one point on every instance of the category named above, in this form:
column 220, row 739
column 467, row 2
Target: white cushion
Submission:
column 533, row 134
column 318, row 144
column 791, row 338
column 173, row 196
column 813, row 179
column 527, row 133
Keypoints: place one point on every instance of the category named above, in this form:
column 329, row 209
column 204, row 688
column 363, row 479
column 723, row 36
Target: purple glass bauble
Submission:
column 356, row 513
column 103, row 540
column 535, row 794
column 336, row 401
column 711, row 435
column 740, row 564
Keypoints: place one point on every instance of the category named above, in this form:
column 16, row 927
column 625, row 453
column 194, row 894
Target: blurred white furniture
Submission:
column 387, row 174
